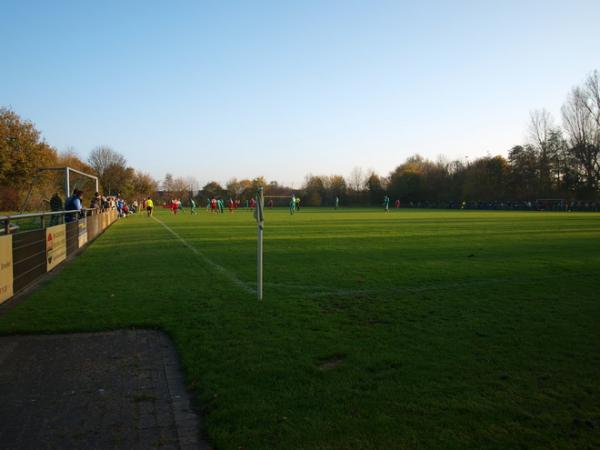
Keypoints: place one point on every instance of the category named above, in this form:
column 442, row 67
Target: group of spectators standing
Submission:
column 98, row 202
column 73, row 203
column 106, row 203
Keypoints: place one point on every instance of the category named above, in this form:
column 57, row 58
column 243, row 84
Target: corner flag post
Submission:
column 260, row 219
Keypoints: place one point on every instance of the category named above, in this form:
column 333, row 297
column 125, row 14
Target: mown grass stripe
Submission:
column 218, row 268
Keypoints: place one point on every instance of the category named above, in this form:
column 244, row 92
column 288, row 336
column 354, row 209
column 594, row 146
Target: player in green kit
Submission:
column 292, row 205
column 386, row 203
column 192, row 206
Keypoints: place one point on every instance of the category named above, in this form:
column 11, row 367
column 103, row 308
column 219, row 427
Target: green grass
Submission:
column 433, row 329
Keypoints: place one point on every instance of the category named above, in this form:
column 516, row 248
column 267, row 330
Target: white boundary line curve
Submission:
column 218, row 268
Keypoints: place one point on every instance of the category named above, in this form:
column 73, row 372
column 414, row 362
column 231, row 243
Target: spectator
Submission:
column 56, row 205
column 120, row 204
column 74, row 203
column 96, row 202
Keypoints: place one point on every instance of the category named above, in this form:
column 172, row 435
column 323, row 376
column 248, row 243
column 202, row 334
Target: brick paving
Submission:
column 113, row 390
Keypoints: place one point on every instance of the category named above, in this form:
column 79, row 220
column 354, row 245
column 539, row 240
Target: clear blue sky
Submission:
column 285, row 88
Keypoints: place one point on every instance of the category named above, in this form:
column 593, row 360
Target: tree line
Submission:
column 23, row 152
column 556, row 161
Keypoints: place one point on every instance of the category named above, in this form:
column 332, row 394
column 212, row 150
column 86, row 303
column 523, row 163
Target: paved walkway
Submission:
column 119, row 389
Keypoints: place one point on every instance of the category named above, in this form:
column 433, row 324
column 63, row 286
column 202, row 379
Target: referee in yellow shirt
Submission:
column 149, row 206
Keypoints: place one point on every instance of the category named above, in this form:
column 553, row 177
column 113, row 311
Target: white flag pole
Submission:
column 258, row 213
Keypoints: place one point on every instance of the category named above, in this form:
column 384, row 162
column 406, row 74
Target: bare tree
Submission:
column 576, row 118
column 103, row 159
column 357, row 179
column 541, row 132
column 592, row 89
column 581, row 118
column 192, row 183
column 234, row 188
column 540, row 127
column 103, row 156
column 180, row 187
column 167, row 184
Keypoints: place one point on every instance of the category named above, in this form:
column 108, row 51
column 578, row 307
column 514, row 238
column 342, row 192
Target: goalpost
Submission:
column 551, row 204
column 284, row 199
column 67, row 182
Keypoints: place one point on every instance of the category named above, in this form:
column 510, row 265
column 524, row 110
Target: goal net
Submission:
column 550, row 204
column 62, row 181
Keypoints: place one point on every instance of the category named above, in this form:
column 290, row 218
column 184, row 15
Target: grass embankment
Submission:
column 407, row 329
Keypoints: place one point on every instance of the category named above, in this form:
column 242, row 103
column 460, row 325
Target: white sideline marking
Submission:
column 222, row 270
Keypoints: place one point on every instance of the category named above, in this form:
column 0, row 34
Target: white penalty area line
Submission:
column 218, row 268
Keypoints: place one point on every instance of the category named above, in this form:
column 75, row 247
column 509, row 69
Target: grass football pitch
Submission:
column 412, row 329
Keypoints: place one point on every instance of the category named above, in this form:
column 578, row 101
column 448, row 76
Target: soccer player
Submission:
column 386, row 203
column 192, row 206
column 297, row 203
column 337, row 202
column 292, row 205
column 397, row 203
column 149, row 206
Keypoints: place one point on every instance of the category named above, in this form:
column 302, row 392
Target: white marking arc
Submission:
column 218, row 268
